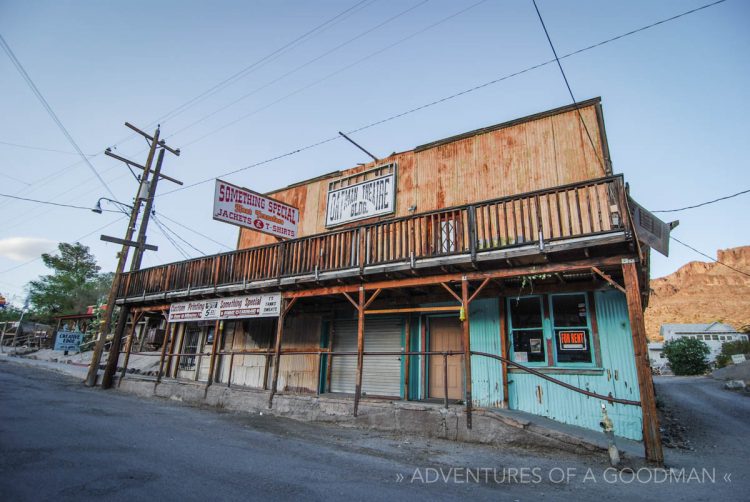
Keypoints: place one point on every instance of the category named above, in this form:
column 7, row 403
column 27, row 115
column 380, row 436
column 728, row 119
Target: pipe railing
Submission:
column 329, row 353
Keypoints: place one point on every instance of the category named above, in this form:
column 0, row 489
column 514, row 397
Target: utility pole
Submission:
column 147, row 189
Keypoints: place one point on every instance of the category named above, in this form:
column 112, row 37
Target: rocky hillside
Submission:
column 701, row 292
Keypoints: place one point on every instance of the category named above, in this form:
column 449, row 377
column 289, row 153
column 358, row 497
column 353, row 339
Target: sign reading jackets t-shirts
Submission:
column 237, row 307
column 369, row 198
column 245, row 208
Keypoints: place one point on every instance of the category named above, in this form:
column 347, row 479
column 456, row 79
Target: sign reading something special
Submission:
column 236, row 307
column 245, row 208
column 364, row 200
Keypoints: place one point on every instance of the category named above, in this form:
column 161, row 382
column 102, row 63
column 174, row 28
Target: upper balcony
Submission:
column 525, row 228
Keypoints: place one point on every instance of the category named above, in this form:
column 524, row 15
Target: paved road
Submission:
column 62, row 441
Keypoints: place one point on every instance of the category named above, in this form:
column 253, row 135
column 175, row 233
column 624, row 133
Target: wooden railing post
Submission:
column 167, row 336
column 136, row 319
column 472, row 214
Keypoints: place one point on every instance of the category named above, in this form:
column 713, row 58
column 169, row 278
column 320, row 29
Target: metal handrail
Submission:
column 445, row 354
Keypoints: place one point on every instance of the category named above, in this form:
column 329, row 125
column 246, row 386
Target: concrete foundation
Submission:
column 419, row 419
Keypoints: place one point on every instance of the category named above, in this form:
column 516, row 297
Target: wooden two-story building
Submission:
column 499, row 268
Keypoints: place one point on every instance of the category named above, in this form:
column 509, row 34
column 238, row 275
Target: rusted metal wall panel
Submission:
column 617, row 377
column 299, row 373
column 539, row 153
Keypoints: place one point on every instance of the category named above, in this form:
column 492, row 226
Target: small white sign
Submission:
column 245, row 208
column 364, row 200
column 237, row 307
column 521, row 357
column 738, row 358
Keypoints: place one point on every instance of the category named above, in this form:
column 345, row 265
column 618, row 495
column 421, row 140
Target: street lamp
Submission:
column 98, row 207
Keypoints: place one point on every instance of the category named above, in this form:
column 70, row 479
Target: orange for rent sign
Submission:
column 572, row 340
column 245, row 208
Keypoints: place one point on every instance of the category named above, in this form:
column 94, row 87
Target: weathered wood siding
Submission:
column 541, row 151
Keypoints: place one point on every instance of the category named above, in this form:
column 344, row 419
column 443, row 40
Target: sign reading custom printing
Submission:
column 68, row 340
column 369, row 198
column 245, row 208
column 237, row 307
column 572, row 340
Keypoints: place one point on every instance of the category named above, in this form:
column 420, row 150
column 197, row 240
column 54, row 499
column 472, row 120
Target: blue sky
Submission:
column 675, row 101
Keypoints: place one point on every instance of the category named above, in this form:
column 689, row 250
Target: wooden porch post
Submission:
column 651, row 434
column 504, row 348
column 407, row 361
column 172, row 343
column 467, row 348
column 167, row 336
column 286, row 305
column 136, row 320
column 360, row 347
column 218, row 328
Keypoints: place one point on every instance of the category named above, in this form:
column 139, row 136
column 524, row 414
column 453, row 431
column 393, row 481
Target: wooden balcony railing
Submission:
column 575, row 210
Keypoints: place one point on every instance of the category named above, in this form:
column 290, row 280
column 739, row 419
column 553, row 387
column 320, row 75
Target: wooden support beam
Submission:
column 547, row 268
column 407, row 358
column 136, row 320
column 218, row 328
column 609, row 279
column 479, row 289
column 372, row 298
column 351, row 300
column 277, row 350
column 408, row 310
column 360, row 348
column 467, row 349
column 651, row 434
column 449, row 290
column 504, row 348
column 167, row 336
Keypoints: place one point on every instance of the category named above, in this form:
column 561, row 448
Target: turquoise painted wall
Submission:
column 486, row 373
column 617, row 376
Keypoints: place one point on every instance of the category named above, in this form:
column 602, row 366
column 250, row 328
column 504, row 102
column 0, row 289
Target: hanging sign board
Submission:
column 572, row 340
column 363, row 200
column 245, row 208
column 650, row 230
column 237, row 307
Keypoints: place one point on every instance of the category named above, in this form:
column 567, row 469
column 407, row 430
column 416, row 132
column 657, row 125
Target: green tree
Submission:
column 687, row 356
column 75, row 282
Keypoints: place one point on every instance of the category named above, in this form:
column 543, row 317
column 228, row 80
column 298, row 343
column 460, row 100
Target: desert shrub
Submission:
column 687, row 356
column 729, row 349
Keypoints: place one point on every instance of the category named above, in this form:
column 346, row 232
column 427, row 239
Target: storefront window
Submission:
column 571, row 328
column 568, row 329
column 527, row 332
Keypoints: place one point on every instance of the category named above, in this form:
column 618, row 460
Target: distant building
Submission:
column 657, row 358
column 714, row 335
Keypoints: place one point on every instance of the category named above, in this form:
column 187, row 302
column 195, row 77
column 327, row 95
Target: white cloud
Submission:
column 25, row 248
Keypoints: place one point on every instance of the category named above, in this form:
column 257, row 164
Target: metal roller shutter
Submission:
column 381, row 375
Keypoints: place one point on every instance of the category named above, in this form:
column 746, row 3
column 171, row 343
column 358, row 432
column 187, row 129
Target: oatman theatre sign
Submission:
column 245, row 208
column 236, row 307
column 369, row 198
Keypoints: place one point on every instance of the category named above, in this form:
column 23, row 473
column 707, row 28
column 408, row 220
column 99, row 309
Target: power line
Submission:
column 51, row 113
column 452, row 96
column 171, row 240
column 178, row 235
column 707, row 256
column 296, row 69
column 41, row 149
column 265, row 59
column 702, row 203
column 340, row 70
column 54, row 203
column 567, row 84
column 162, row 215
